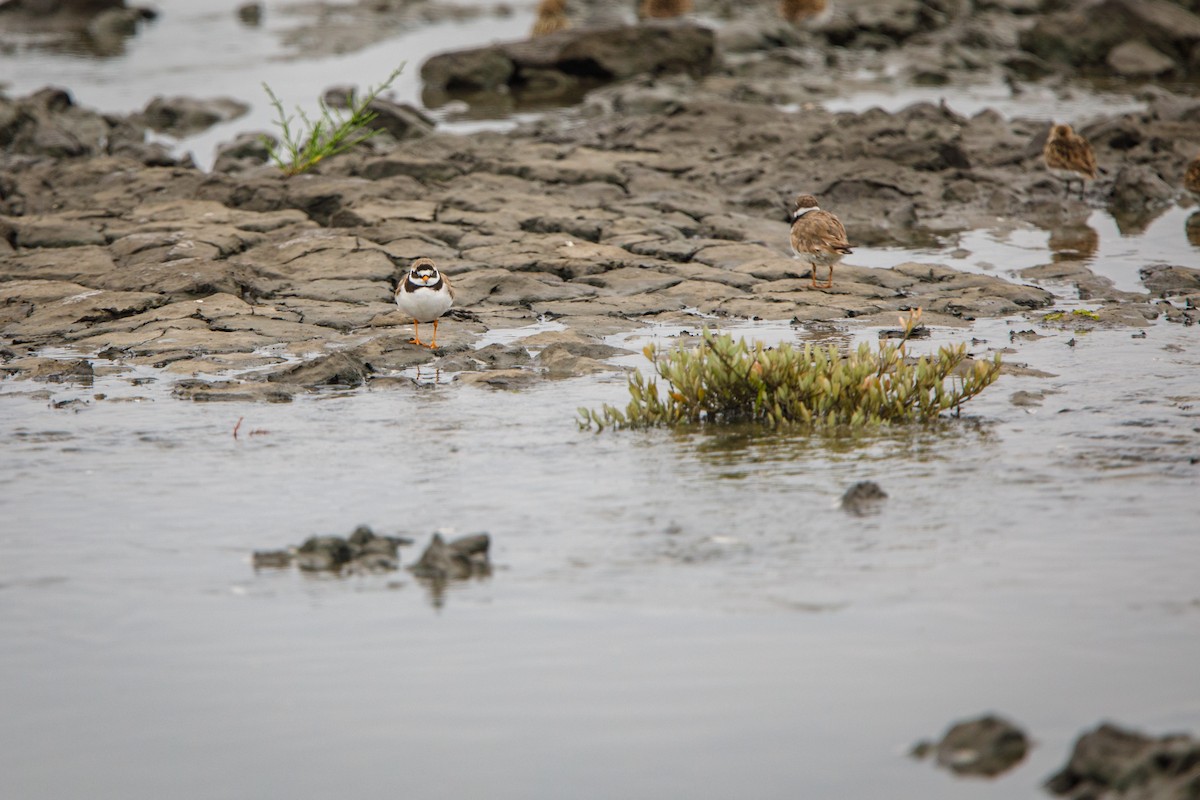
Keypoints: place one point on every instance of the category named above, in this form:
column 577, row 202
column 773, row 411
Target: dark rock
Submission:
column 250, row 14
column 323, row 553
column 1136, row 59
column 1112, row 763
column 184, row 116
column 48, row 8
column 863, row 498
column 364, row 550
column 1138, row 187
column 1166, row 281
column 558, row 65
column 338, row 369
column 984, row 747
column 202, row 391
column 247, row 151
column 401, row 120
column 52, row 370
column 463, row 558
column 1087, row 34
column 272, row 559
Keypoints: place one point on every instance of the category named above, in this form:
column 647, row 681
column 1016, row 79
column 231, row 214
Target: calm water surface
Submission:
column 671, row 615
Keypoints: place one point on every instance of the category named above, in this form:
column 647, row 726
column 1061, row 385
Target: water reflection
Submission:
column 1135, row 222
column 1075, row 242
column 733, row 450
column 72, row 29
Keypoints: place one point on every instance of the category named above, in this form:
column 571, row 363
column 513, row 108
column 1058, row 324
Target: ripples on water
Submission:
column 697, row 597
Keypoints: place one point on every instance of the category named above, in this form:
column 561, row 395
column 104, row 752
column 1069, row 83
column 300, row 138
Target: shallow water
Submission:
column 671, row 615
column 201, row 50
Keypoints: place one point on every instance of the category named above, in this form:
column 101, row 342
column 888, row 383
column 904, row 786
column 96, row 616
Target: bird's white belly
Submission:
column 424, row 305
column 818, row 259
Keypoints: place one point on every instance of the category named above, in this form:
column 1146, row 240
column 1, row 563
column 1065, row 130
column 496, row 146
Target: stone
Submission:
column 338, row 369
column 186, row 116
column 985, row 747
column 1165, row 280
column 863, row 498
column 462, row 558
column 402, row 120
column 1136, row 59
column 554, row 67
column 1113, row 763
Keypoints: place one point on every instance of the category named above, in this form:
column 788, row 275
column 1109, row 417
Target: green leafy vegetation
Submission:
column 727, row 381
column 306, row 144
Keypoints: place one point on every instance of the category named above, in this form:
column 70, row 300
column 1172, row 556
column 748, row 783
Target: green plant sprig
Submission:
column 307, row 145
column 724, row 381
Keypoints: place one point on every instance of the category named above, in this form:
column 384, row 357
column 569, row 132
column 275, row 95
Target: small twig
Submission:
column 236, row 427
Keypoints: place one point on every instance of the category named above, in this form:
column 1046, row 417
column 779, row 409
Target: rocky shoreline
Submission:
column 661, row 198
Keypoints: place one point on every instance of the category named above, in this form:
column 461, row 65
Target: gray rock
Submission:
column 401, row 120
column 250, row 14
column 983, row 747
column 1165, row 281
column 1113, row 763
column 247, row 151
column 460, row 559
column 1138, row 187
column 1136, row 59
column 863, row 498
column 1085, row 34
column 556, row 66
column 185, row 116
column 338, row 369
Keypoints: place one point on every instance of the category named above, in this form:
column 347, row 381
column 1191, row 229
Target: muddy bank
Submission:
column 659, row 199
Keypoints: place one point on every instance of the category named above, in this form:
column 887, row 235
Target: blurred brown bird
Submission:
column 818, row 237
column 551, row 18
column 1191, row 178
column 1069, row 156
column 805, row 12
column 663, row 9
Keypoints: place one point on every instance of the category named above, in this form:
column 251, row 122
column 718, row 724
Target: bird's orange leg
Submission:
column 417, row 334
column 829, row 283
column 812, row 274
column 433, row 343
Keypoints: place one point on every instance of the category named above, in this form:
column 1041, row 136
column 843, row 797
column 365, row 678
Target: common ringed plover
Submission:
column 818, row 237
column 424, row 295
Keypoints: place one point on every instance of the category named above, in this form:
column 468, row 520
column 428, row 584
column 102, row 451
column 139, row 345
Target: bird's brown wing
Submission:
column 1087, row 157
column 819, row 232
column 1074, row 154
column 1191, row 178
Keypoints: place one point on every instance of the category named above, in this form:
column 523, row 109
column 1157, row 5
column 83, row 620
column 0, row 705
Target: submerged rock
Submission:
column 460, row 559
column 363, row 550
column 558, row 67
column 1114, row 763
column 983, row 747
column 863, row 498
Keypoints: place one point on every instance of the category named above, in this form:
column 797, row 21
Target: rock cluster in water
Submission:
column 1107, row 763
column 365, row 551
